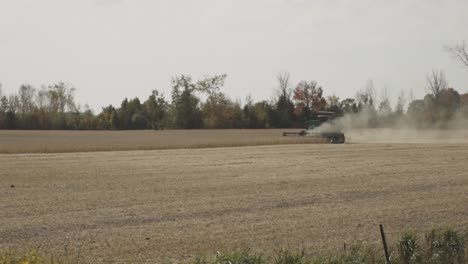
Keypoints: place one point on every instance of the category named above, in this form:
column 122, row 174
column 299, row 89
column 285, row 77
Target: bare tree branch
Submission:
column 284, row 85
column 436, row 82
column 366, row 96
column 460, row 52
column 401, row 103
column 385, row 107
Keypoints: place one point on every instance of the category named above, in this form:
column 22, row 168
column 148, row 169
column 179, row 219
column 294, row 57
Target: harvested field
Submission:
column 146, row 205
column 20, row 141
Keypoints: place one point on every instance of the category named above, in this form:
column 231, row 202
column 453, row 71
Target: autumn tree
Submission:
column 108, row 118
column 211, row 85
column 309, row 98
column 218, row 110
column 189, row 112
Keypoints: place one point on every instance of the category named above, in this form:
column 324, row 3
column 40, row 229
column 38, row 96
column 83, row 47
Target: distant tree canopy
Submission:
column 309, row 98
column 203, row 104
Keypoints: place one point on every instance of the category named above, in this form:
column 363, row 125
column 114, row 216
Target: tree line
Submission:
column 54, row 107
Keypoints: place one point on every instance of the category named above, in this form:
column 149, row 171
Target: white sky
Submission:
column 111, row 49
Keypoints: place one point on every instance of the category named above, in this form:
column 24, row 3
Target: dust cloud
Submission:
column 360, row 128
column 404, row 135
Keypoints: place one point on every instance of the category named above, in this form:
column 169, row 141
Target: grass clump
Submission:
column 286, row 256
column 445, row 246
column 243, row 256
column 355, row 255
column 435, row 247
column 408, row 249
column 30, row 257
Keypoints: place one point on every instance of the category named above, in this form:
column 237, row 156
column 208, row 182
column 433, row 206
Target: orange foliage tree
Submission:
column 308, row 97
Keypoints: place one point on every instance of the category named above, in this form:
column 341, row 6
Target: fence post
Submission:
column 384, row 241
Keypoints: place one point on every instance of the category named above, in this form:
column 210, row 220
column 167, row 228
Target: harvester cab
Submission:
column 318, row 118
column 315, row 121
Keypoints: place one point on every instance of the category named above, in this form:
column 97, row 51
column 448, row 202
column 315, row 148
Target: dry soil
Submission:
column 23, row 141
column 150, row 205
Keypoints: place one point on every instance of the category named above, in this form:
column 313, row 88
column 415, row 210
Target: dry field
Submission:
column 146, row 205
column 20, row 141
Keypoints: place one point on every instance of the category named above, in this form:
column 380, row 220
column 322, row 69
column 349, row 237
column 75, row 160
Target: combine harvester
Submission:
column 319, row 118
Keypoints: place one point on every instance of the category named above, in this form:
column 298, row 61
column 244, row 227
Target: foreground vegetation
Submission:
column 437, row 247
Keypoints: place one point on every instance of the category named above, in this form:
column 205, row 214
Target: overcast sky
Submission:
column 111, row 49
